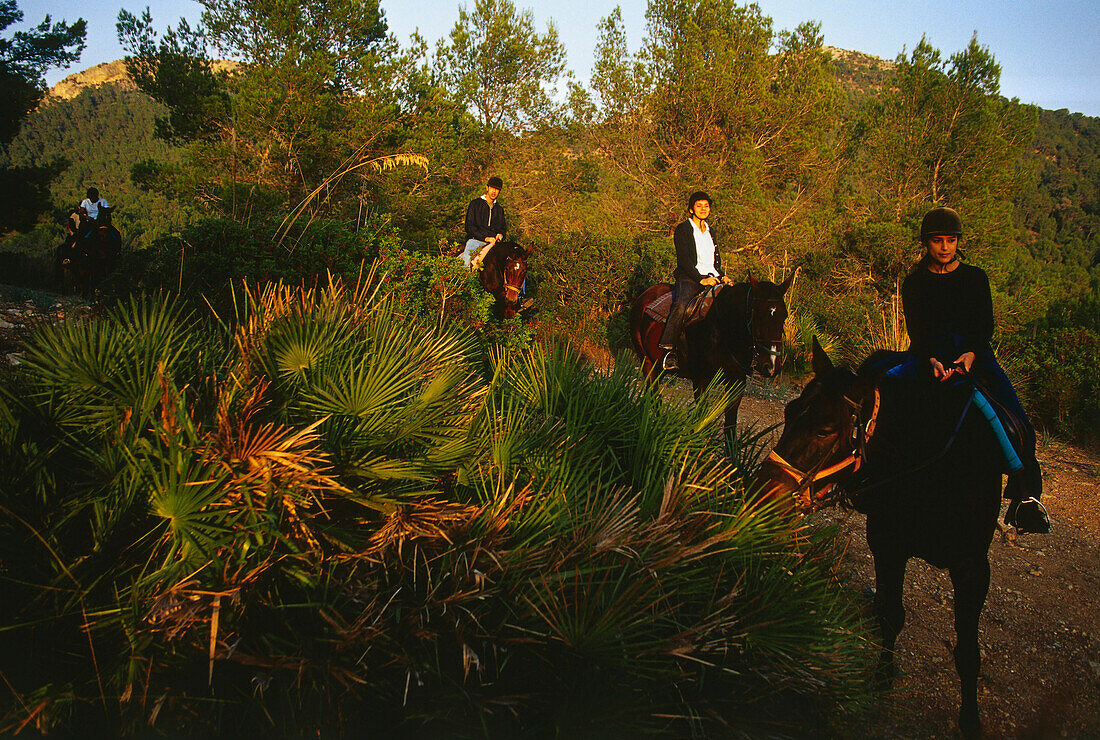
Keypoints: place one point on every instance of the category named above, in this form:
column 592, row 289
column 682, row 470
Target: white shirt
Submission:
column 704, row 250
column 92, row 209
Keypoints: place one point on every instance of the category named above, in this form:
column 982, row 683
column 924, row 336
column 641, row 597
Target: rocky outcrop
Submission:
column 108, row 73
column 74, row 84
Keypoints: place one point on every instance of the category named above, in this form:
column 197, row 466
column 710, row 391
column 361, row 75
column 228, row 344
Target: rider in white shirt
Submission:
column 94, row 211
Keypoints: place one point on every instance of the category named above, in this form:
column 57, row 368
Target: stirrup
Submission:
column 670, row 361
column 1042, row 517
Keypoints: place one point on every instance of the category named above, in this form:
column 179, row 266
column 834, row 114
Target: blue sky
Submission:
column 1049, row 50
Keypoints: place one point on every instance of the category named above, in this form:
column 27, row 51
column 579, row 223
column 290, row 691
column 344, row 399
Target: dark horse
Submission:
column 923, row 467
column 503, row 271
column 86, row 257
column 742, row 332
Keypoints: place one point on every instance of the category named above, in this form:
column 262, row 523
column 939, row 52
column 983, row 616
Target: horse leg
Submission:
column 731, row 410
column 889, row 610
column 970, row 579
column 699, row 383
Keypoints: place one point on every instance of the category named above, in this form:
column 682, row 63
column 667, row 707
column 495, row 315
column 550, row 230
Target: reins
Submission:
column 924, row 464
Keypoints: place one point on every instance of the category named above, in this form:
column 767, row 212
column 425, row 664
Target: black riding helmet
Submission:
column 940, row 222
column 698, row 195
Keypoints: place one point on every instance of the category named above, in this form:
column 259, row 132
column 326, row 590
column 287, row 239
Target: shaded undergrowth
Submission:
column 320, row 515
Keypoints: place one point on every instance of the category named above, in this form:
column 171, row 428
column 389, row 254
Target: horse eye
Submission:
column 825, row 432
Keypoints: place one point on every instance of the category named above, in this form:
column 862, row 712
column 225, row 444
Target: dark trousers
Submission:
column 686, row 291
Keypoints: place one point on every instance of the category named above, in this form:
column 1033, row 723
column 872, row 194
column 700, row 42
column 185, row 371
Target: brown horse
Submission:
column 86, row 257
column 907, row 453
column 503, row 271
column 742, row 333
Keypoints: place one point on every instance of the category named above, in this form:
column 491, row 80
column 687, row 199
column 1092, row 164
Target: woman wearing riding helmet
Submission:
column 949, row 317
column 698, row 266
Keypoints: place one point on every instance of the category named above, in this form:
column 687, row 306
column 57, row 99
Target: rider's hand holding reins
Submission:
column 709, row 281
column 961, row 365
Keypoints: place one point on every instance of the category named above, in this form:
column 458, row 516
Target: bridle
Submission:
column 861, row 435
column 511, row 292
column 761, row 346
column 758, row 346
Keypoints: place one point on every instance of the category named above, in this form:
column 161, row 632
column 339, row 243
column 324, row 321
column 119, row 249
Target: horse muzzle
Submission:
column 779, row 478
column 768, row 361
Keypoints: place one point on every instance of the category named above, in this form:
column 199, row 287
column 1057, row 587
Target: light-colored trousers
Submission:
column 472, row 248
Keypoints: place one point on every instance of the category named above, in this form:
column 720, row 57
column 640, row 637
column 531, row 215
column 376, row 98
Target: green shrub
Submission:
column 206, row 257
column 1061, row 390
column 587, row 283
column 334, row 518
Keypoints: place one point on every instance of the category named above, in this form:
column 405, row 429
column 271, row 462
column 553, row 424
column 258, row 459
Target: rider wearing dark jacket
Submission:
column 484, row 221
column 949, row 317
column 698, row 266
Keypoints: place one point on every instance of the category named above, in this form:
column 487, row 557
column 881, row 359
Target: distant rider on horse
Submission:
column 949, row 317
column 95, row 212
column 698, row 267
column 485, row 223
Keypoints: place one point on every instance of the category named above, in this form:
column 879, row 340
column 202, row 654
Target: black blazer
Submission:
column 686, row 257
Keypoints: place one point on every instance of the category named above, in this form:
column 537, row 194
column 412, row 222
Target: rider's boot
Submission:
column 1025, row 512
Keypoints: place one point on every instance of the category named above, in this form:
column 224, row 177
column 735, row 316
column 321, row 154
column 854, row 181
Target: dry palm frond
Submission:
column 353, row 163
column 429, row 519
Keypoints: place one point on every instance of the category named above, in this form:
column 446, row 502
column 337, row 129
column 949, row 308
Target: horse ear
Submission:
column 821, row 362
column 752, row 280
column 786, row 283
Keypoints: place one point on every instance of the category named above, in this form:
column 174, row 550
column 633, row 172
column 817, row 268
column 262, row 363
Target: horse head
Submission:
column 766, row 315
column 503, row 273
column 515, row 272
column 825, row 432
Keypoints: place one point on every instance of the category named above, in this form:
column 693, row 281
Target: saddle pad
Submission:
column 660, row 307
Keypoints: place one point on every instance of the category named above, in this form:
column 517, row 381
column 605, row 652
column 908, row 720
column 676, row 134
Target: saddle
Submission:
column 659, row 308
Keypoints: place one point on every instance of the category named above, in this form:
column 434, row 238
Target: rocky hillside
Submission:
column 859, row 74
column 108, row 72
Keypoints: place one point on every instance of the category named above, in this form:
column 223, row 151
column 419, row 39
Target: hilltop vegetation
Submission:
column 823, row 160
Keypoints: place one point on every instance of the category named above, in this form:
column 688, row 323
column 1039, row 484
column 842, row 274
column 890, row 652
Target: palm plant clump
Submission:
column 324, row 516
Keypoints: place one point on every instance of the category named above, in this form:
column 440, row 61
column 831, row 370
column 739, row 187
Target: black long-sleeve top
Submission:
column 481, row 222
column 956, row 302
column 683, row 238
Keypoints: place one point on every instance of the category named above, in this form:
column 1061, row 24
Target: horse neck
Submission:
column 916, row 421
column 731, row 309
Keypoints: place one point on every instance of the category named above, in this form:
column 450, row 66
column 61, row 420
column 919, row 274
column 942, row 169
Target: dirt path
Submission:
column 1040, row 630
